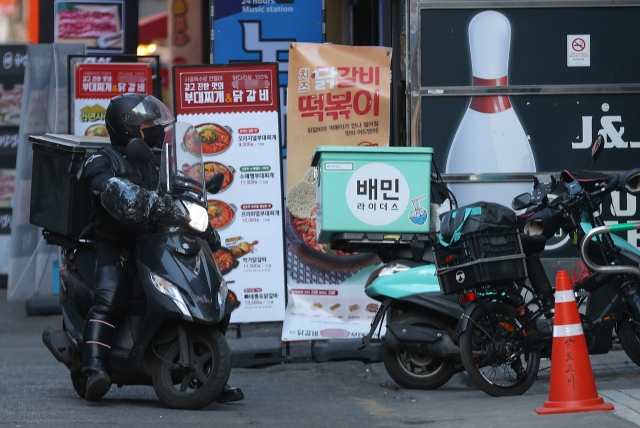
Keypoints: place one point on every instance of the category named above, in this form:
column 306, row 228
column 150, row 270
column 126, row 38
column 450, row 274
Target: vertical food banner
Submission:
column 338, row 96
column 12, row 69
column 235, row 111
column 95, row 84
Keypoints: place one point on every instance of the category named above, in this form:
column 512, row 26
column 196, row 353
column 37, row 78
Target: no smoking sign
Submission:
column 578, row 50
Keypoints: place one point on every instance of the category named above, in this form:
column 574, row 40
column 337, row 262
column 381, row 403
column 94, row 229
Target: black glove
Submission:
column 212, row 238
column 131, row 203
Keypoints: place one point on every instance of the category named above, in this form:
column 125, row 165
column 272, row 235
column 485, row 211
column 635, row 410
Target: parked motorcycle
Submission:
column 501, row 338
column 171, row 335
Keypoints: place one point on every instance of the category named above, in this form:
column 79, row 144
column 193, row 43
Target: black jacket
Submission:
column 97, row 170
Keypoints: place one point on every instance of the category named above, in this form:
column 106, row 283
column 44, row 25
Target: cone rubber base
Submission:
column 590, row 405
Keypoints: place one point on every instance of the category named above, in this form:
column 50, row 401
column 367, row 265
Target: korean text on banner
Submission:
column 95, row 85
column 234, row 108
column 344, row 101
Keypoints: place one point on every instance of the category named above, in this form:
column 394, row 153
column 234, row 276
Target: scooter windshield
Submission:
column 182, row 170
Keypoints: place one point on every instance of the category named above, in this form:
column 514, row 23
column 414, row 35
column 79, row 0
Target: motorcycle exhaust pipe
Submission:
column 420, row 339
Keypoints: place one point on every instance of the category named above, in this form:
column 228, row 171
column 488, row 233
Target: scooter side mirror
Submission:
column 596, row 149
column 138, row 151
column 521, row 202
column 215, row 183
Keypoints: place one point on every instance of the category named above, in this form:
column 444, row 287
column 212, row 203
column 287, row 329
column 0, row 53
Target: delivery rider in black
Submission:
column 124, row 202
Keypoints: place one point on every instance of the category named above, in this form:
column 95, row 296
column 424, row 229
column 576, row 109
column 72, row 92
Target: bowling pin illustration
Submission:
column 490, row 137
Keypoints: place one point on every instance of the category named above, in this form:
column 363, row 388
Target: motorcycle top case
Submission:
column 364, row 189
column 474, row 218
column 60, row 202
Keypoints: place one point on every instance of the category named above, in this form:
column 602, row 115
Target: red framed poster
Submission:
column 96, row 83
column 237, row 89
column 235, row 110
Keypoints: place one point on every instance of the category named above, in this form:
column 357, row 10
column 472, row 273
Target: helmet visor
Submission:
column 149, row 111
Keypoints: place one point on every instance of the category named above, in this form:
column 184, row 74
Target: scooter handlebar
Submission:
column 635, row 270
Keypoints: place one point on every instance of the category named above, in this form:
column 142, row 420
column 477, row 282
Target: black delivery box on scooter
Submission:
column 60, row 202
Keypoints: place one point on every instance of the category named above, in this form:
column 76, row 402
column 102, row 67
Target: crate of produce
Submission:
column 489, row 256
column 372, row 191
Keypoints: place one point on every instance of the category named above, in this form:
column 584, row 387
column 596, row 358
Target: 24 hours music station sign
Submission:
column 235, row 111
column 94, row 86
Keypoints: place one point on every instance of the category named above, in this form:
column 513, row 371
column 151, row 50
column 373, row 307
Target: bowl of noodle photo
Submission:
column 220, row 213
column 300, row 229
column 212, row 168
column 97, row 130
column 215, row 138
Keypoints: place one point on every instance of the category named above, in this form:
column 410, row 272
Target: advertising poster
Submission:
column 94, row 86
column 5, row 238
column 12, row 69
column 235, row 111
column 102, row 26
column 338, row 96
column 261, row 31
column 14, row 58
column 558, row 83
column 8, row 7
column 185, row 31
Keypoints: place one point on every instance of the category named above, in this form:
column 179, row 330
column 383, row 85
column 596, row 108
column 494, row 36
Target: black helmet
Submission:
column 127, row 112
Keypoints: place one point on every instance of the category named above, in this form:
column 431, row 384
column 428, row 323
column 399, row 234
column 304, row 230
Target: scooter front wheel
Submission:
column 196, row 386
column 494, row 357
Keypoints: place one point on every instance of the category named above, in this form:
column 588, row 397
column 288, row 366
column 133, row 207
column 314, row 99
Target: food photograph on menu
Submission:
column 97, row 25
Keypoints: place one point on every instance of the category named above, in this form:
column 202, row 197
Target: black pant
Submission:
column 114, row 274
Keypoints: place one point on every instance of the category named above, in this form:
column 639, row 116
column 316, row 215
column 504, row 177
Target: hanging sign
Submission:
column 235, row 111
column 94, row 86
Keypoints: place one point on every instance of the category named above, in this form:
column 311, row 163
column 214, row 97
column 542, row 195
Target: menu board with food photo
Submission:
column 235, row 112
column 14, row 58
column 316, row 312
column 342, row 102
column 99, row 26
column 94, row 84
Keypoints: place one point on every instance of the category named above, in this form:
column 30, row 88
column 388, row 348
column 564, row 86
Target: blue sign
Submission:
column 262, row 30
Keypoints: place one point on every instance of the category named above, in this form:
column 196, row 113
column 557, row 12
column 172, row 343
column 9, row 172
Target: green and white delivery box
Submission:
column 369, row 194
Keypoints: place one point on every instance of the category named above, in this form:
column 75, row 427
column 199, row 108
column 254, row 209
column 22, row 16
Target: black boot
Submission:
column 99, row 331
column 229, row 394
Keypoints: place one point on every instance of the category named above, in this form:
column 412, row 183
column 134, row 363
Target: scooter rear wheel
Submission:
column 417, row 371
column 494, row 359
column 197, row 386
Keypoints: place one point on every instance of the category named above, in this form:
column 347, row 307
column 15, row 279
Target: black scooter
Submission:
column 172, row 334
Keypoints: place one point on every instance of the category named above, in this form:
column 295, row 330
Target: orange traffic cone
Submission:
column 572, row 387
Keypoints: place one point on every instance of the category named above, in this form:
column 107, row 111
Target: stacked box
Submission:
column 365, row 192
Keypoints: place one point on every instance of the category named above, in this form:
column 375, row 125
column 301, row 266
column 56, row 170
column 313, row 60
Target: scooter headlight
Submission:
column 386, row 270
column 168, row 288
column 199, row 216
column 394, row 268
